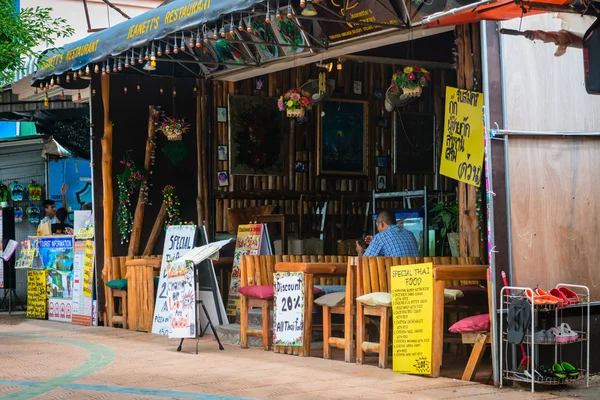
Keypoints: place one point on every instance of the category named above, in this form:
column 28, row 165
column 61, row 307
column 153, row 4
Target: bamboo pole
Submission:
column 200, row 159
column 138, row 217
column 158, row 225
column 107, row 184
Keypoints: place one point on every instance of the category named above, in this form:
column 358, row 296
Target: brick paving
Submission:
column 51, row 360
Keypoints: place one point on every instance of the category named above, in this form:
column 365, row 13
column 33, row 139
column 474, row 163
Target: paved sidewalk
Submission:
column 50, row 360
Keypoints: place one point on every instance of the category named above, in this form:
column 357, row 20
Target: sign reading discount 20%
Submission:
column 463, row 147
column 289, row 309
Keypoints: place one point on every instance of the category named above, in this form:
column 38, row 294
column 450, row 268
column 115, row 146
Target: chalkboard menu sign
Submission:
column 414, row 143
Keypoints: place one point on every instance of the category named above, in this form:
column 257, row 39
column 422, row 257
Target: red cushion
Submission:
column 476, row 323
column 266, row 292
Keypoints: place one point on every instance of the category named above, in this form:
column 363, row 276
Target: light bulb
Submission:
column 290, row 12
column 268, row 18
column 159, row 51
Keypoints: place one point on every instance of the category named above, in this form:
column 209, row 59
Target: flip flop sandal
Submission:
column 570, row 370
column 557, row 293
column 548, row 373
column 566, row 331
column 559, row 371
column 571, row 296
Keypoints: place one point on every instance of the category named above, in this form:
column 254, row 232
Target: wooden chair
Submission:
column 313, row 212
column 354, row 216
column 256, row 272
column 116, row 271
column 348, row 311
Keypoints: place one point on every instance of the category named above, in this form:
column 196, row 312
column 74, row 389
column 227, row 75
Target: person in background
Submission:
column 50, row 207
column 391, row 241
column 61, row 227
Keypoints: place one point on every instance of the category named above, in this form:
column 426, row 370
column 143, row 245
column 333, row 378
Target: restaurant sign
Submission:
column 462, row 147
column 288, row 321
column 366, row 11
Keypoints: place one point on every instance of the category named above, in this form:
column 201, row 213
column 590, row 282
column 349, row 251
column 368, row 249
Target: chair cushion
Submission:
column 331, row 288
column 332, row 299
column 376, row 299
column 267, row 292
column 117, row 284
column 476, row 323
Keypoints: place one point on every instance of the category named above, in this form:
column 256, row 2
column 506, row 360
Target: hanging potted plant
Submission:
column 446, row 216
column 411, row 81
column 173, row 128
column 295, row 102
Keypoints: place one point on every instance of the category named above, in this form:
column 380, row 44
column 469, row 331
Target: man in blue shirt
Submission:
column 391, row 241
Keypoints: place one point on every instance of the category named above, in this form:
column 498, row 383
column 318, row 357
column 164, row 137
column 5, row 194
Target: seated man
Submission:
column 391, row 241
column 61, row 227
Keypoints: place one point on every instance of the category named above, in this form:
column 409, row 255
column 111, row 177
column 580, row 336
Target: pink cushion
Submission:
column 476, row 323
column 266, row 292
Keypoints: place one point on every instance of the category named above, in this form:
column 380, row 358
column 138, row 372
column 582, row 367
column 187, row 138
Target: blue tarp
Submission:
column 138, row 31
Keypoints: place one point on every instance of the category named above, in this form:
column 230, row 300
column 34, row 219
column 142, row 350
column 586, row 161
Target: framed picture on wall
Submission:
column 221, row 114
column 223, row 178
column 413, row 143
column 223, row 155
column 342, row 138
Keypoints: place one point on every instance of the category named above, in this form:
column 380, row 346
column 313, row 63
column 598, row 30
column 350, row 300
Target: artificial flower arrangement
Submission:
column 173, row 128
column 128, row 182
column 411, row 80
column 295, row 102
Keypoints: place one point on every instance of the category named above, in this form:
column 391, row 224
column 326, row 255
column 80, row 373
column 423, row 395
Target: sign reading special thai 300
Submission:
column 462, row 148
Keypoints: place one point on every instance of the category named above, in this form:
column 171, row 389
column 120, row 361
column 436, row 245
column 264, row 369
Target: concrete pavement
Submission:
column 51, row 360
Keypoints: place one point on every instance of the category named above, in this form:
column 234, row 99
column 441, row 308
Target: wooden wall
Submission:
column 544, row 92
column 301, row 139
column 555, row 186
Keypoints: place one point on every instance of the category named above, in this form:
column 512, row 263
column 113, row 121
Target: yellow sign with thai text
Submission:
column 412, row 310
column 463, row 147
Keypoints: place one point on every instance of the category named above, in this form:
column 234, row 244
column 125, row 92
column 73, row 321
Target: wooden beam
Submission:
column 156, row 229
column 107, row 183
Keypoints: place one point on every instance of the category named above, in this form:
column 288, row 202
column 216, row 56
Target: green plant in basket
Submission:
column 411, row 80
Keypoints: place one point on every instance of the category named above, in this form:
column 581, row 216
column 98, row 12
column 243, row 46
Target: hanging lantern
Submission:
column 115, row 68
column 192, row 41
column 223, row 30
column 168, row 49
column 120, row 67
column 87, row 70
column 80, row 73
column 195, row 91
column 62, row 94
column 161, row 91
column 302, row 3
column 93, row 92
column 153, row 54
column 249, row 24
column 52, row 82
column 138, row 87
column 108, row 67
column 79, row 95
column 241, row 25
column 174, row 92
column 96, row 70
column 182, row 48
column 279, row 15
column 146, row 55
column 68, row 78
column 140, row 58
column 127, row 62
column 58, row 80
column 35, row 91
column 75, row 76
column 198, row 44
column 103, row 68
column 175, row 49
column 46, row 100
column 215, row 34
column 159, row 51
column 125, row 90
column 290, row 11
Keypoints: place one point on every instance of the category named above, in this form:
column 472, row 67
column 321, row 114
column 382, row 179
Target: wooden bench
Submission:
column 116, row 300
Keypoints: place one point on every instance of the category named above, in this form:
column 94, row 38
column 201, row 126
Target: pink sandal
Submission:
column 570, row 295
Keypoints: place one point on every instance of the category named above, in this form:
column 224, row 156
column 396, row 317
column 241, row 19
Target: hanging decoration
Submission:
column 295, row 102
column 33, row 214
column 3, row 193
column 35, row 191
column 411, row 81
column 18, row 215
column 173, row 128
column 172, row 213
column 128, row 181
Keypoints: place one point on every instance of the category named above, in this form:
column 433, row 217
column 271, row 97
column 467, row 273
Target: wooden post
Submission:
column 158, row 225
column 107, row 184
column 138, row 217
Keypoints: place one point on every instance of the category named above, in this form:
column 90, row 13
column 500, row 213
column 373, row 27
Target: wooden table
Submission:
column 284, row 220
column 310, row 271
column 441, row 274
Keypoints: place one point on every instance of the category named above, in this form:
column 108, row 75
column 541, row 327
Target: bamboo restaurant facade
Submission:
column 188, row 93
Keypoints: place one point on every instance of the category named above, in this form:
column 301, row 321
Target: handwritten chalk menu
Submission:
column 179, row 239
column 412, row 308
column 251, row 240
column 82, row 305
column 181, row 298
column 288, row 323
column 462, row 147
column 36, row 294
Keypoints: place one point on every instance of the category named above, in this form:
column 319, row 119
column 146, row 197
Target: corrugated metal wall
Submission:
column 22, row 161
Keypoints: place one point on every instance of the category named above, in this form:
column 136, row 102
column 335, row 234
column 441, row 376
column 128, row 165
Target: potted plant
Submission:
column 295, row 102
column 411, row 81
column 173, row 128
column 446, row 216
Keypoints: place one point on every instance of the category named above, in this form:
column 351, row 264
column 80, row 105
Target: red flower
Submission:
column 427, row 76
column 303, row 101
column 416, row 68
column 411, row 77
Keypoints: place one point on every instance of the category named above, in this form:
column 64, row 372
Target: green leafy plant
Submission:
column 446, row 215
column 410, row 77
column 22, row 32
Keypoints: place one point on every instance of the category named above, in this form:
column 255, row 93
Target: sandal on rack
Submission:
column 548, row 372
column 559, row 371
column 536, row 300
column 570, row 370
column 571, row 296
column 560, row 295
column 559, row 336
column 566, row 331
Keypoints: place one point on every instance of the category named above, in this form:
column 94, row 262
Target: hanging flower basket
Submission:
column 295, row 103
column 173, row 128
column 411, row 81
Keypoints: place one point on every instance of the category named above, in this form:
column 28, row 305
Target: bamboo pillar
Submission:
column 138, row 217
column 107, row 183
column 468, row 77
column 158, row 225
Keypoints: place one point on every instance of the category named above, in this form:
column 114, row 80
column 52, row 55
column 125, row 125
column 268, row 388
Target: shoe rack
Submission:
column 532, row 348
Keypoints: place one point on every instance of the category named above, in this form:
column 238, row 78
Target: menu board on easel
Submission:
column 36, row 294
column 179, row 239
column 412, row 311
column 251, row 240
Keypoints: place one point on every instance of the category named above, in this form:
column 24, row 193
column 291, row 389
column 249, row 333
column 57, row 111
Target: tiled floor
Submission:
column 42, row 359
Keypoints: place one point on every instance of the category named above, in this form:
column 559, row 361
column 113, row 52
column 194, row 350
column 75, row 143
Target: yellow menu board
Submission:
column 36, row 294
column 412, row 308
column 463, row 147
